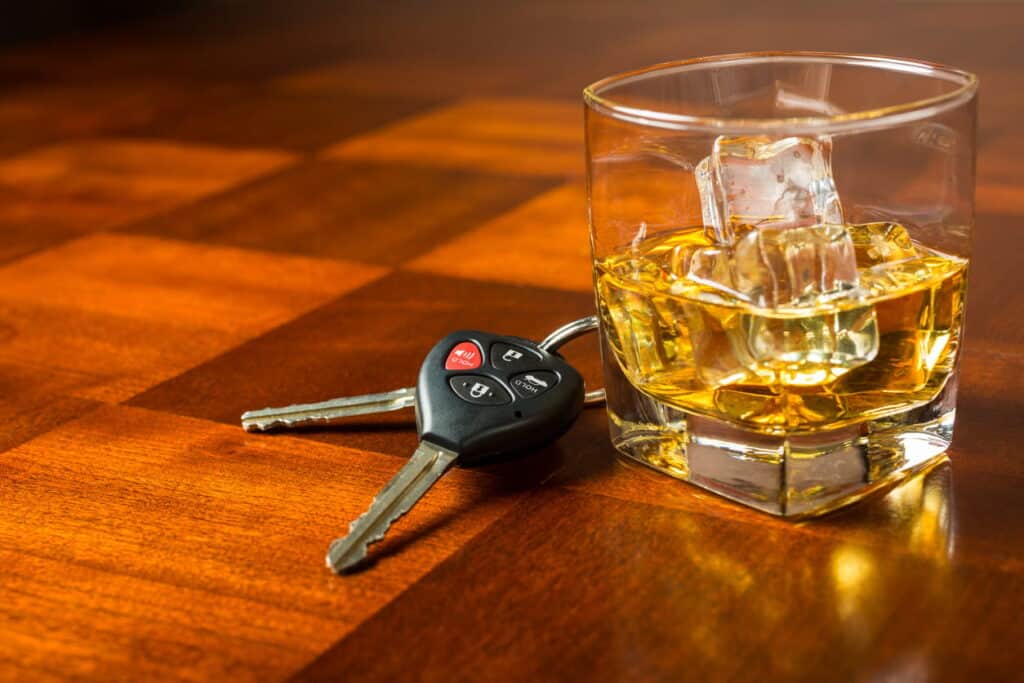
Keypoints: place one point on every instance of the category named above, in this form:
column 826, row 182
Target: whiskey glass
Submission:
column 780, row 245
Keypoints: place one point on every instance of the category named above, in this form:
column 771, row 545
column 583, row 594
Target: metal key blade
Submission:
column 424, row 468
column 327, row 411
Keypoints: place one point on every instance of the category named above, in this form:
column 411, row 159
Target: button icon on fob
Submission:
column 482, row 391
column 535, row 383
column 510, row 357
column 465, row 356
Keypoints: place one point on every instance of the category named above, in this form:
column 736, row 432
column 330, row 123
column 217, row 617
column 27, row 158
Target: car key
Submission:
column 326, row 412
column 478, row 395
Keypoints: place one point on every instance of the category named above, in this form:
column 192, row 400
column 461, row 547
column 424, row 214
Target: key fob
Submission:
column 483, row 395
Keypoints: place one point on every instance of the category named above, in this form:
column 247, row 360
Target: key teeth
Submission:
column 427, row 464
column 370, row 540
column 327, row 412
column 364, row 547
column 355, row 522
column 380, row 535
column 280, row 423
column 257, row 426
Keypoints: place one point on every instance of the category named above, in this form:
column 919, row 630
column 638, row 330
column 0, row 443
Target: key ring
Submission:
column 568, row 332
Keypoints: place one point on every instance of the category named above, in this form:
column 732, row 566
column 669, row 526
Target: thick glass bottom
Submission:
column 796, row 475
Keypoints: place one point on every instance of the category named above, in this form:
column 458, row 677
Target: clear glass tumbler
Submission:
column 780, row 245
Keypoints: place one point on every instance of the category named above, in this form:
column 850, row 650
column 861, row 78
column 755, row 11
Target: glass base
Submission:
column 796, row 475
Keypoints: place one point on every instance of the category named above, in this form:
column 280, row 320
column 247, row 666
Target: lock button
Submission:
column 483, row 391
column 512, row 358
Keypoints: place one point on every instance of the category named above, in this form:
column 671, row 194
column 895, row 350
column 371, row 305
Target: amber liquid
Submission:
column 880, row 350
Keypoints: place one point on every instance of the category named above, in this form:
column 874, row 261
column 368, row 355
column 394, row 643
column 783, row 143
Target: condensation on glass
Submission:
column 780, row 246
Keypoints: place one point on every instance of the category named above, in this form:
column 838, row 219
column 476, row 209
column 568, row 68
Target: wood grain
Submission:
column 36, row 112
column 113, row 315
column 34, row 400
column 349, row 209
column 532, row 137
column 645, row 593
column 52, row 193
column 197, row 549
column 246, row 204
column 249, row 114
column 549, row 246
column 426, row 76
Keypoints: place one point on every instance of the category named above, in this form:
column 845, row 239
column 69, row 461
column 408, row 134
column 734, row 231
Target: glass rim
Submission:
column 879, row 117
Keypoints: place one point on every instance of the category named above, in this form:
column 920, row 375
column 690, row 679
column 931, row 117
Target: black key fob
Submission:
column 484, row 395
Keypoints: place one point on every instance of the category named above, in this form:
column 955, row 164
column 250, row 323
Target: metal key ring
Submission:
column 568, row 332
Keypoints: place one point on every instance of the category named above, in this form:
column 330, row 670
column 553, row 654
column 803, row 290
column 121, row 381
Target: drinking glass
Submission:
column 780, row 245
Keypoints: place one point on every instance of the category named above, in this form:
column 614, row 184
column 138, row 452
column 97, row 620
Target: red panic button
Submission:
column 465, row 356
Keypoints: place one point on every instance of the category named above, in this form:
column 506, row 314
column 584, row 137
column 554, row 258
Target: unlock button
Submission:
column 482, row 391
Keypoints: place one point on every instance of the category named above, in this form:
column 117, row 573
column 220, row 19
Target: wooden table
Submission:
column 240, row 206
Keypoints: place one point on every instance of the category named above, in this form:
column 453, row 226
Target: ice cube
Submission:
column 810, row 336
column 718, row 355
column 888, row 259
column 807, row 274
column 880, row 243
column 811, row 349
column 794, row 266
column 773, row 209
column 755, row 191
column 711, row 267
column 755, row 181
column 710, row 213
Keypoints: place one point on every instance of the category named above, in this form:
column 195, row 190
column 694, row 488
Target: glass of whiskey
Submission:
column 780, row 245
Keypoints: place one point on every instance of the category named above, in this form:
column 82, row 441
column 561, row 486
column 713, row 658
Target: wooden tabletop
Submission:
column 244, row 205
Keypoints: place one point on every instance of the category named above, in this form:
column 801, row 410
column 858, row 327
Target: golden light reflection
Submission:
column 921, row 509
column 841, row 578
column 854, row 574
column 914, row 520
